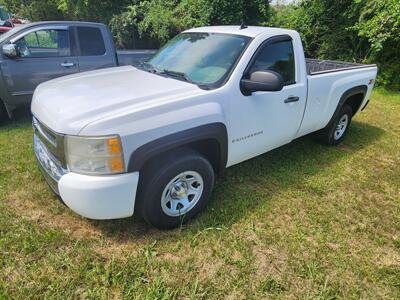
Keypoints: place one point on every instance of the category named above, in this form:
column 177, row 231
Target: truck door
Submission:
column 266, row 120
column 44, row 54
column 94, row 48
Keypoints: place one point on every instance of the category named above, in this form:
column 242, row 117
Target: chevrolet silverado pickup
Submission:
column 34, row 53
column 150, row 139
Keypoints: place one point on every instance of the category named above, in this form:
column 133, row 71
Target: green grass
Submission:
column 303, row 221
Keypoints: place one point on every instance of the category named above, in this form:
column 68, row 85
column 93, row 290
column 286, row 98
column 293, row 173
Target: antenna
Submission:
column 243, row 26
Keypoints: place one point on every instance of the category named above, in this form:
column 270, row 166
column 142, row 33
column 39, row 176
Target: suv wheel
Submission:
column 336, row 131
column 175, row 188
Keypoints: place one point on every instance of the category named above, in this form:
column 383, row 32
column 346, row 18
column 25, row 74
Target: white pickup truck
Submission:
column 150, row 139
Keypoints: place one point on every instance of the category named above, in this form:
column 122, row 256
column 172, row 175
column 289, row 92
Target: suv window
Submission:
column 45, row 43
column 90, row 41
column 278, row 57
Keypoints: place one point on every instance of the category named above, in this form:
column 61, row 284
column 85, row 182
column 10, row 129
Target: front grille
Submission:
column 53, row 141
column 52, row 138
column 49, row 152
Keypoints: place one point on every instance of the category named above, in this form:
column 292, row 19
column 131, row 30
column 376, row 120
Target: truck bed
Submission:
column 320, row 66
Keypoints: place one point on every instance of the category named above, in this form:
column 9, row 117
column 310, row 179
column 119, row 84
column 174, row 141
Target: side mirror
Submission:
column 262, row 81
column 10, row 50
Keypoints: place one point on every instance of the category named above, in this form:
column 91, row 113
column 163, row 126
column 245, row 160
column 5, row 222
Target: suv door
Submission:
column 263, row 121
column 44, row 53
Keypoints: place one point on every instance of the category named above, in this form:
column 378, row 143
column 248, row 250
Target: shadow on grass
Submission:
column 250, row 184
column 22, row 118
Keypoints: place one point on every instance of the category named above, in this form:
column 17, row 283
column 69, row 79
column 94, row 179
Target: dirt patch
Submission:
column 387, row 257
column 112, row 238
column 73, row 226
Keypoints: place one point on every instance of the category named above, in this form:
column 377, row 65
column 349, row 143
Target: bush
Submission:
column 159, row 20
column 353, row 30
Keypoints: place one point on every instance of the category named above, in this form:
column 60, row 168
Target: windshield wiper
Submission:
column 179, row 75
column 148, row 67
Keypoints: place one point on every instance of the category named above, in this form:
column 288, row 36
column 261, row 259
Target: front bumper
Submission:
column 93, row 197
column 100, row 197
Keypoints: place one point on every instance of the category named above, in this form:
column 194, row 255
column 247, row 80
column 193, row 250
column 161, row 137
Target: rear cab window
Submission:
column 90, row 41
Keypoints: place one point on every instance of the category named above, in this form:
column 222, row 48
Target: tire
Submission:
column 175, row 188
column 336, row 130
column 3, row 113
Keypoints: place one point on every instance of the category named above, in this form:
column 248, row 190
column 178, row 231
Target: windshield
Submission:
column 201, row 58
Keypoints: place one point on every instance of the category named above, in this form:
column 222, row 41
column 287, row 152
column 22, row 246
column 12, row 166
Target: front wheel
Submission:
column 336, row 131
column 175, row 188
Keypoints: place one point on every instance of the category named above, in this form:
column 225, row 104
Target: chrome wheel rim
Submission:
column 341, row 127
column 182, row 193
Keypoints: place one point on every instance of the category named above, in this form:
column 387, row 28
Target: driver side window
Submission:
column 278, row 57
column 45, row 43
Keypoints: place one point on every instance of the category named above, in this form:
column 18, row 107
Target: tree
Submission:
column 91, row 10
column 161, row 19
column 88, row 10
column 379, row 23
column 365, row 31
column 35, row 10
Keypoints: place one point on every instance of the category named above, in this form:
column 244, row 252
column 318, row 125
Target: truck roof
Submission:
column 250, row 31
column 62, row 22
column 27, row 25
column 19, row 28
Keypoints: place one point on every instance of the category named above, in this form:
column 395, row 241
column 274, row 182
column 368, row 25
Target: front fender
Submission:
column 163, row 128
column 213, row 131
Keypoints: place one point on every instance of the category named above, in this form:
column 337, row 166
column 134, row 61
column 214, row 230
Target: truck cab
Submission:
column 152, row 138
column 33, row 53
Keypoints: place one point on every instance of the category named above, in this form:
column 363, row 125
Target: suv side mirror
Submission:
column 262, row 81
column 10, row 50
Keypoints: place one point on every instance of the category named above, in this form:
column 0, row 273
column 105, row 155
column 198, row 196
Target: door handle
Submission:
column 67, row 65
column 292, row 99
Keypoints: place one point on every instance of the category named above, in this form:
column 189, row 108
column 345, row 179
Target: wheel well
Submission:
column 355, row 102
column 209, row 148
column 211, row 140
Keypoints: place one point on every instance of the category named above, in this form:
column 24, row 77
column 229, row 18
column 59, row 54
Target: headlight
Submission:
column 95, row 155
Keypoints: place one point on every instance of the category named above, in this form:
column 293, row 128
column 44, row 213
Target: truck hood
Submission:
column 68, row 104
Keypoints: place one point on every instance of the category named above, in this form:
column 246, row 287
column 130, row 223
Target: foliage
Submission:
column 88, row 10
column 35, row 10
column 324, row 26
column 380, row 24
column 124, row 27
column 354, row 30
column 160, row 20
column 91, row 10
column 365, row 31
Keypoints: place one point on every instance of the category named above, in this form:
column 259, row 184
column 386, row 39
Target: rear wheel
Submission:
column 3, row 113
column 175, row 188
column 337, row 130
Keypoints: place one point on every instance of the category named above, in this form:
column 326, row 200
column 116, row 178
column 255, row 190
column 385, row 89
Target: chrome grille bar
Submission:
column 53, row 141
